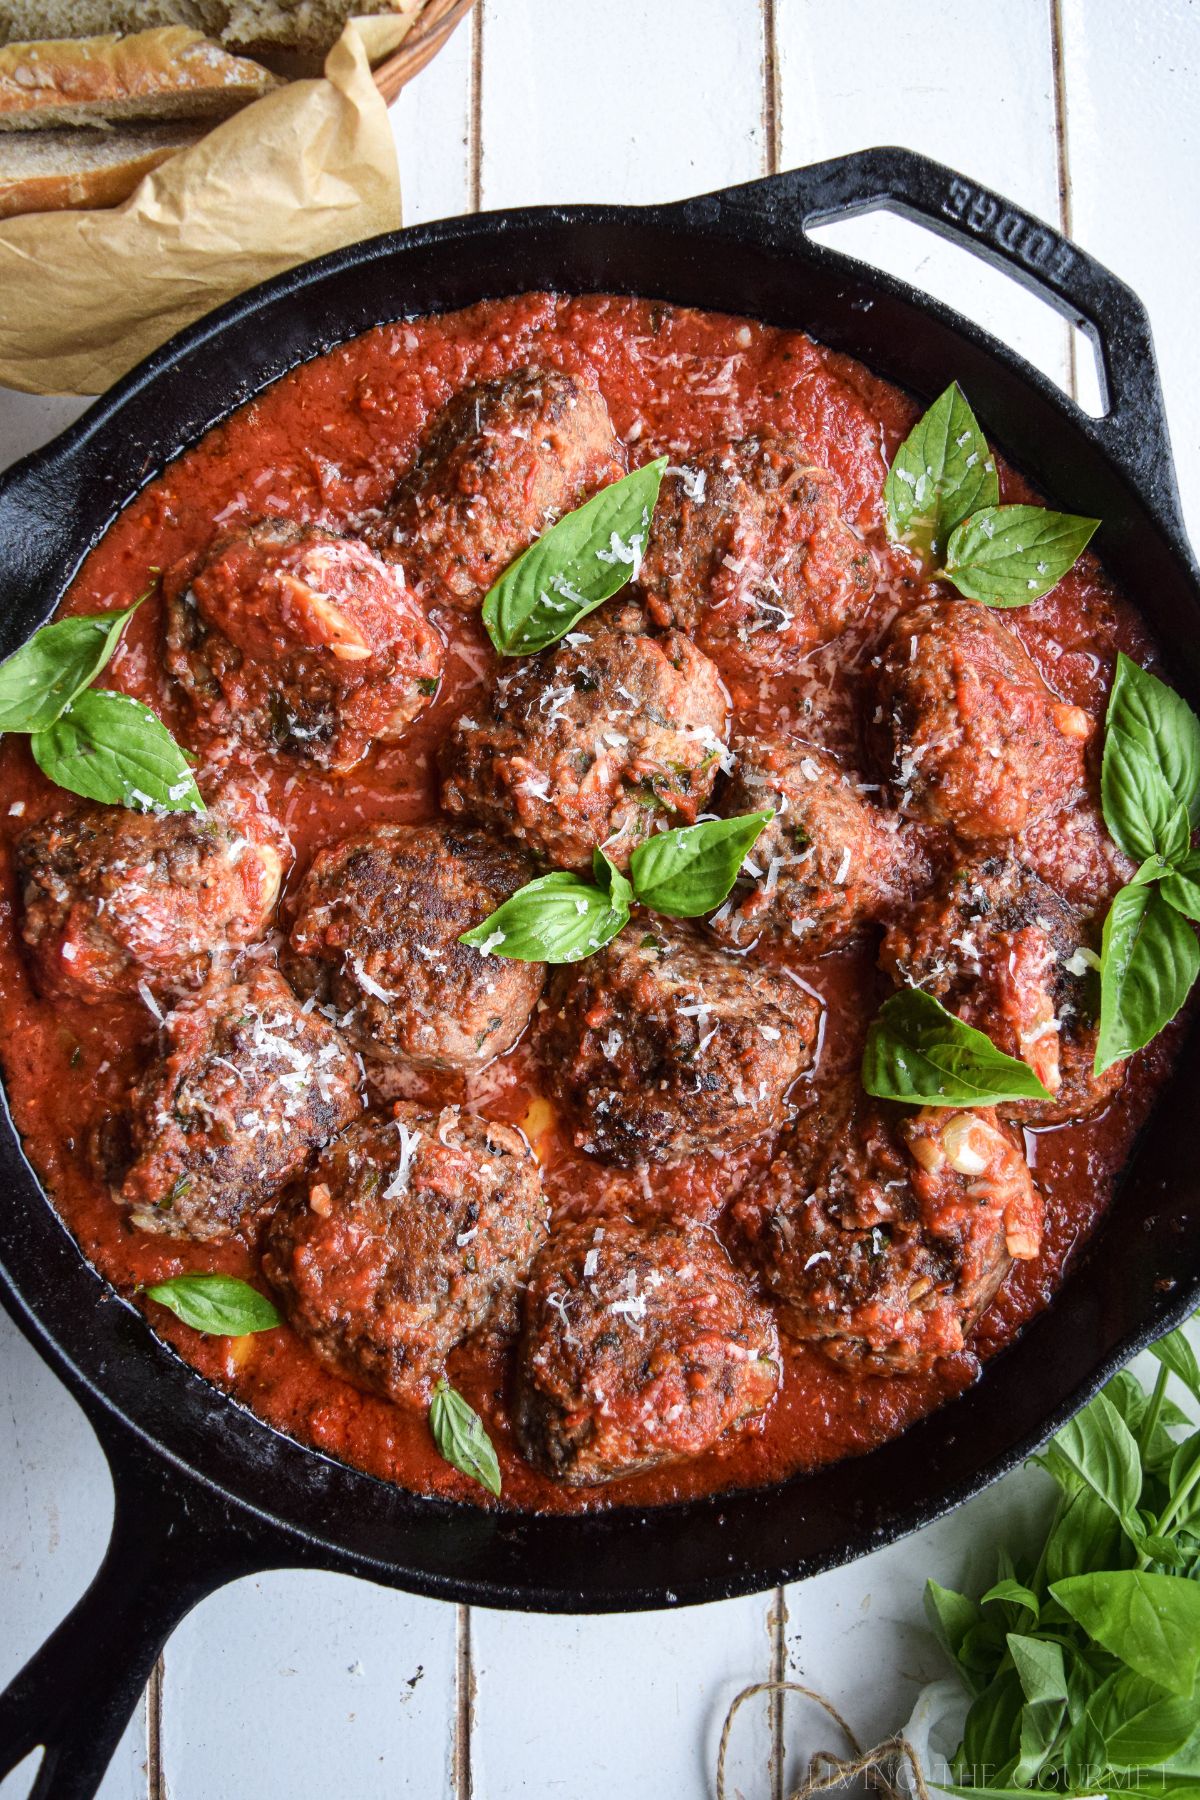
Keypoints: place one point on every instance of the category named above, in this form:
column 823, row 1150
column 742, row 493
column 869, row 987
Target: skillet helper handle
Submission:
column 1134, row 428
column 172, row 1544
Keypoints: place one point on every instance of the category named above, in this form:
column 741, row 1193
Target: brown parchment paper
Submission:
column 306, row 169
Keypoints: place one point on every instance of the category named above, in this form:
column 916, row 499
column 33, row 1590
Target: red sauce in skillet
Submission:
column 325, row 444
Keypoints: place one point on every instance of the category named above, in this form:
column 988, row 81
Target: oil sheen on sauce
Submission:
column 325, row 445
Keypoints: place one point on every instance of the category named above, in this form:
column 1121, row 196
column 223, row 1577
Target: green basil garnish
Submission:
column 690, row 870
column 941, row 474
column 583, row 560
column 461, row 1439
column 1149, row 959
column 108, row 746
column 919, row 1053
column 95, row 742
column 1013, row 555
column 942, row 500
column 39, row 681
column 559, row 918
column 1150, row 788
column 1150, row 783
column 220, row 1305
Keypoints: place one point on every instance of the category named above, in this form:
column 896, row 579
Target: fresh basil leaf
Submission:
column 942, row 472
column 1101, row 1453
column 221, row 1305
column 1144, row 1725
column 1150, row 1622
column 461, row 1439
column 1149, row 958
column 1043, row 1678
column 921, row 1054
column 991, row 1731
column 1012, row 555
column 1087, row 1536
column 690, row 870
column 1013, row 1594
column 1175, row 1353
column 950, row 1615
column 40, row 680
column 1151, row 765
column 1181, row 888
column 559, row 918
column 575, row 566
column 109, row 747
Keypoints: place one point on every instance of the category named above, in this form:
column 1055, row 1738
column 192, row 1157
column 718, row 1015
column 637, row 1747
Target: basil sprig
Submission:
column 942, row 500
column 1082, row 1659
column 95, row 742
column 941, row 474
column 561, row 918
column 219, row 1305
column 460, row 1437
column 583, row 560
column 919, row 1053
column 1150, row 790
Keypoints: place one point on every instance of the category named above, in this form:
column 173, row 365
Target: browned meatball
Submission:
column 828, row 862
column 883, row 1234
column 115, row 900
column 500, row 463
column 749, row 554
column 411, row 1233
column 641, row 1346
column 999, row 947
column 603, row 740
column 244, row 1086
column 662, row 1045
column 291, row 638
column 377, row 923
column 976, row 739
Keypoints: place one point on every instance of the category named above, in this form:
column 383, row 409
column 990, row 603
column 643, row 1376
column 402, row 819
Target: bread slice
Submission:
column 43, row 171
column 291, row 35
column 163, row 74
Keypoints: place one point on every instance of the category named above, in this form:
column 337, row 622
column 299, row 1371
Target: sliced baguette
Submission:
column 165, row 74
column 291, row 35
column 45, row 171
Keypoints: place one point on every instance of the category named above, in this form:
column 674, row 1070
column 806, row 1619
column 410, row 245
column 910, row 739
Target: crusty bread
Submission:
column 292, row 35
column 42, row 171
column 169, row 73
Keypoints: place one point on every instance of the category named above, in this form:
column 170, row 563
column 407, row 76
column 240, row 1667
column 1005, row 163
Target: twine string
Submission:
column 825, row 1770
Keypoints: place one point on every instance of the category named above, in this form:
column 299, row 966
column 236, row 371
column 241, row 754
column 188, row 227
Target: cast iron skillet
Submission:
column 206, row 1492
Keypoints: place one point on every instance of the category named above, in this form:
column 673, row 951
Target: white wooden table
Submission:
column 310, row 1687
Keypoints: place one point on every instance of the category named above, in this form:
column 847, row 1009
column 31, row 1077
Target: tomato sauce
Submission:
column 325, row 445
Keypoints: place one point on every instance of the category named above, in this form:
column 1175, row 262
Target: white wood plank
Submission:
column 27, row 421
column 55, row 1515
column 968, row 84
column 589, row 1708
column 1131, row 80
column 431, row 123
column 307, row 1685
column 635, row 100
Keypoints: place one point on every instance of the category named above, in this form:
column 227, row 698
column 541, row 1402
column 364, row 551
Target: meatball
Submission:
column 602, row 740
column 500, row 464
column 297, row 640
column 749, row 554
column 377, row 923
column 662, row 1045
column 976, row 739
column 244, row 1086
column 640, row 1346
column 883, row 1234
column 828, row 862
column 114, row 900
column 1001, row 949
column 411, row 1233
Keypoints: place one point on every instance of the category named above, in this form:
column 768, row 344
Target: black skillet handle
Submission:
column 1134, row 429
column 172, row 1543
